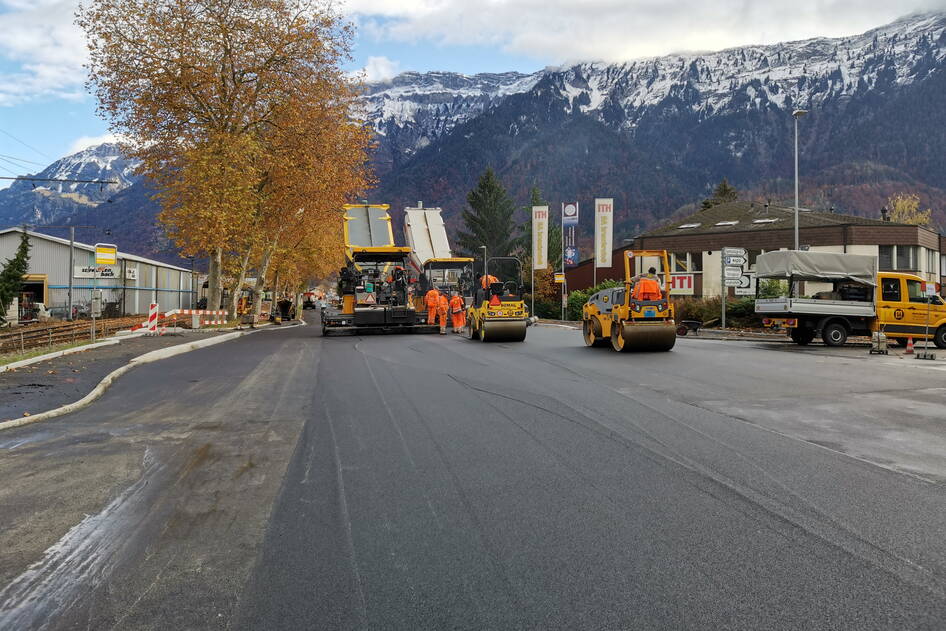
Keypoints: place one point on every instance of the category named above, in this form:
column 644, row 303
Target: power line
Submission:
column 39, row 164
column 6, row 133
column 58, row 179
column 16, row 164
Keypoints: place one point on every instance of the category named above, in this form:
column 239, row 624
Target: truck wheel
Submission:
column 834, row 334
column 939, row 338
column 802, row 337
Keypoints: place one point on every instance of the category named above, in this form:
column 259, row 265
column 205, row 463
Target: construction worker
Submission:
column 457, row 312
column 487, row 280
column 432, row 301
column 647, row 287
column 443, row 307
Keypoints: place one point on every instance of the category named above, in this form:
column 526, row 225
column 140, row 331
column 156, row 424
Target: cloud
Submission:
column 84, row 142
column 559, row 31
column 44, row 49
column 380, row 69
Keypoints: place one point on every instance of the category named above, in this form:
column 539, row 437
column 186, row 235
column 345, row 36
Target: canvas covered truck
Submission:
column 834, row 296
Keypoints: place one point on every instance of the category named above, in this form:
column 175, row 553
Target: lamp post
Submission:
column 796, row 115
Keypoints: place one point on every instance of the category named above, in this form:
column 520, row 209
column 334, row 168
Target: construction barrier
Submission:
column 153, row 319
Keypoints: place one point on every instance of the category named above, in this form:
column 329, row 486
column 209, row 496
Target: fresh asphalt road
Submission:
column 290, row 481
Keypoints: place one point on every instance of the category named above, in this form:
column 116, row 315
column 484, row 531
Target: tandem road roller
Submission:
column 637, row 316
column 498, row 312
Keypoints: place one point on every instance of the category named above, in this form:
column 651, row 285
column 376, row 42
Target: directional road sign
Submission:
column 737, row 261
column 731, row 282
column 734, row 251
column 742, row 282
column 732, row 272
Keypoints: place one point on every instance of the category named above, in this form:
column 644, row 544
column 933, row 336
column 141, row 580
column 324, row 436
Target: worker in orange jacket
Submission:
column 457, row 312
column 443, row 306
column 487, row 280
column 432, row 302
column 647, row 287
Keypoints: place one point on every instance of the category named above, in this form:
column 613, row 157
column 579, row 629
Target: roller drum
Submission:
column 644, row 336
column 591, row 331
column 503, row 331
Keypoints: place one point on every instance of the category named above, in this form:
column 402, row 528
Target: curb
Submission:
column 55, row 354
column 110, row 378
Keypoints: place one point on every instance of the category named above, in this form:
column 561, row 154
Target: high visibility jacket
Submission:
column 432, row 299
column 457, row 304
column 646, row 289
column 443, row 305
column 488, row 280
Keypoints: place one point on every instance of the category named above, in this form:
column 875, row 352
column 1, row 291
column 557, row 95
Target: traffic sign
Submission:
column 746, row 285
column 732, row 272
column 731, row 282
column 737, row 261
column 734, row 251
column 106, row 254
column 559, row 277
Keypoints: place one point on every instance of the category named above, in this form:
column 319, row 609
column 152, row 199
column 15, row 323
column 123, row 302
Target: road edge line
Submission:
column 103, row 385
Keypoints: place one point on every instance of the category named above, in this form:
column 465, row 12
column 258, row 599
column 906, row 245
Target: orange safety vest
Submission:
column 443, row 305
column 432, row 298
column 489, row 280
column 457, row 304
column 646, row 289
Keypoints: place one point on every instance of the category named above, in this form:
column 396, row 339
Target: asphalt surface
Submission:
column 286, row 481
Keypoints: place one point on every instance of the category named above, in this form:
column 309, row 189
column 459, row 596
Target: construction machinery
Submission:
column 375, row 284
column 615, row 316
column 498, row 313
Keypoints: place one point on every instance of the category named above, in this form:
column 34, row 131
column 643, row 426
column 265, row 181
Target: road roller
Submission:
column 629, row 320
column 497, row 312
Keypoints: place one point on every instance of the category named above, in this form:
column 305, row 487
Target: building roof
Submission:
column 91, row 248
column 744, row 216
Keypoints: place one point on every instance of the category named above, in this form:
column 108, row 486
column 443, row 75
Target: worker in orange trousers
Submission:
column 443, row 307
column 432, row 302
column 457, row 312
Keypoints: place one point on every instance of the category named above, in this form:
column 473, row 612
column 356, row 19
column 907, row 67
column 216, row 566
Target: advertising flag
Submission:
column 570, row 214
column 571, row 256
column 604, row 231
column 540, row 237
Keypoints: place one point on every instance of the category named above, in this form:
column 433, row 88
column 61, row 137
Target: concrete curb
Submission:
column 55, row 354
column 110, row 378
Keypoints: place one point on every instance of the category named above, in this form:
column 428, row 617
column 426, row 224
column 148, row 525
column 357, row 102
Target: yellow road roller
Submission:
column 497, row 312
column 637, row 316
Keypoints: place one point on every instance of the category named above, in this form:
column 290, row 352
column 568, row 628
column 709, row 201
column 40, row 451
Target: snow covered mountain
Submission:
column 54, row 202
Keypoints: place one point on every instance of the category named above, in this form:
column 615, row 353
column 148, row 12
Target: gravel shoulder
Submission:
column 49, row 384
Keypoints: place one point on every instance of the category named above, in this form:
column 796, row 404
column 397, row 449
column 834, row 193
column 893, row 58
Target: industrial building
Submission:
column 696, row 242
column 129, row 287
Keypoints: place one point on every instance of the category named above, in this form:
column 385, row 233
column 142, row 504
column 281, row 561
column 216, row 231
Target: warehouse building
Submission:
column 695, row 243
column 129, row 286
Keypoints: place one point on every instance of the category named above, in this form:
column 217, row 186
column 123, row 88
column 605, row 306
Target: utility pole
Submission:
column 71, row 271
column 796, row 115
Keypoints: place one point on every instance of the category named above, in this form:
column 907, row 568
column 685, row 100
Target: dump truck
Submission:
column 614, row 317
column 498, row 312
column 375, row 286
column 835, row 295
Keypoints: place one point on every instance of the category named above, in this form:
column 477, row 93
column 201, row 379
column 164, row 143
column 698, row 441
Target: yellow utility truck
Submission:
column 834, row 295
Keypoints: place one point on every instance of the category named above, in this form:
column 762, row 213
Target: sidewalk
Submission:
column 49, row 384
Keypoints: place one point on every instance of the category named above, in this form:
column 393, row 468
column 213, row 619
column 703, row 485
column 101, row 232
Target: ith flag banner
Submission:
column 604, row 231
column 540, row 237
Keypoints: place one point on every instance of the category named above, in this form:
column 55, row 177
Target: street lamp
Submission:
column 796, row 115
column 483, row 247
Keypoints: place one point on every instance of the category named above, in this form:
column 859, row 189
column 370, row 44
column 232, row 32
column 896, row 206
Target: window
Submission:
column 770, row 220
column 696, row 261
column 688, row 225
column 885, row 254
column 915, row 291
column 931, row 266
column 681, row 262
column 906, row 257
column 942, row 265
column 726, row 223
column 890, row 289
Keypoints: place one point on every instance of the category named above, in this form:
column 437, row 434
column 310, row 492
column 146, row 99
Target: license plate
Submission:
column 650, row 312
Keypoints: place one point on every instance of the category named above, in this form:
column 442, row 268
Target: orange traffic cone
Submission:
column 909, row 350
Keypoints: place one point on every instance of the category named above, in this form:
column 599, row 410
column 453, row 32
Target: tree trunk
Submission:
column 238, row 288
column 261, row 277
column 214, row 288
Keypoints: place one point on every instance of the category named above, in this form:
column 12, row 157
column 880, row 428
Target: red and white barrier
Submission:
column 153, row 319
column 195, row 312
column 213, row 321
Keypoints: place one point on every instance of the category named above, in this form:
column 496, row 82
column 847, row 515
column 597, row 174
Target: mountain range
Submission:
column 656, row 134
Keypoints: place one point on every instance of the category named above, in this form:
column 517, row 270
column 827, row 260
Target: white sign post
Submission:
column 731, row 263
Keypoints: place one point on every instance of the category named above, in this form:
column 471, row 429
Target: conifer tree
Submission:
column 488, row 219
column 11, row 276
column 723, row 193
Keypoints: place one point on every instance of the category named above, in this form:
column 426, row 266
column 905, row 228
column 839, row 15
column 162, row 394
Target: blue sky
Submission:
column 44, row 105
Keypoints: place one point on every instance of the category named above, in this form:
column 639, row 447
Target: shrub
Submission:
column 577, row 299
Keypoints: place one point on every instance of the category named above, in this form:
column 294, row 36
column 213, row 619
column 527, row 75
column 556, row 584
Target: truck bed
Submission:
column 787, row 307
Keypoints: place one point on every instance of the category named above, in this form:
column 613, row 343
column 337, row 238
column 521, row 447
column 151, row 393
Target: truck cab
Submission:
column 903, row 307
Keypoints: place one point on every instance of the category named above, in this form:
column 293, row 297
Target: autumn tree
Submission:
column 905, row 208
column 239, row 111
column 12, row 272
